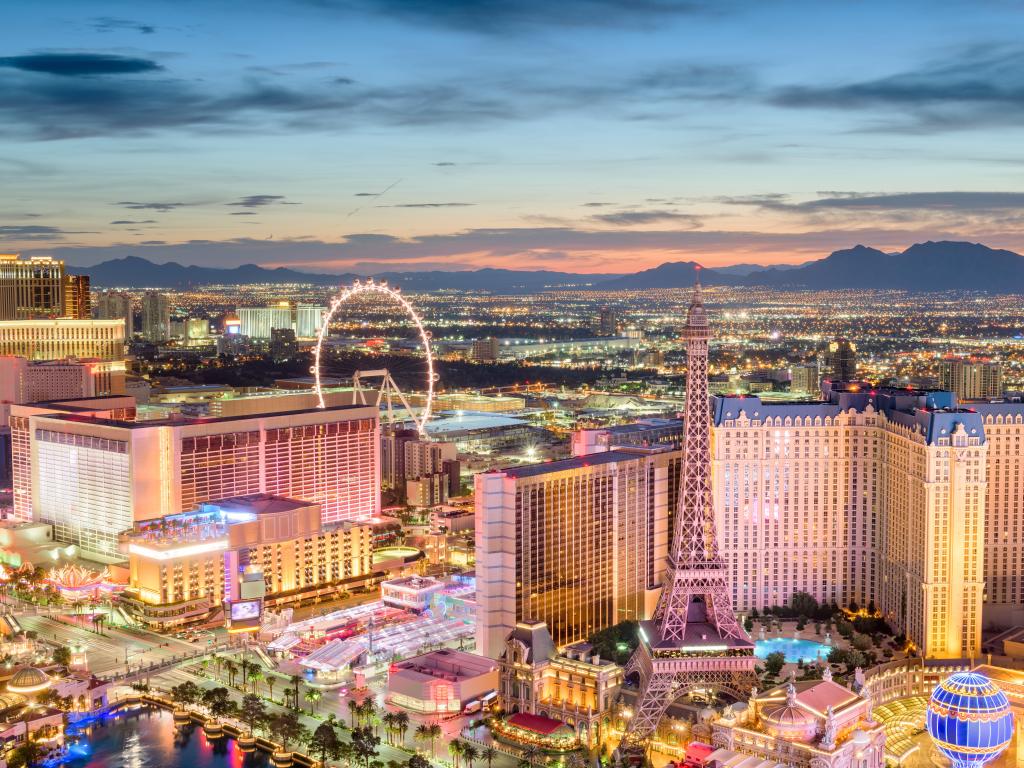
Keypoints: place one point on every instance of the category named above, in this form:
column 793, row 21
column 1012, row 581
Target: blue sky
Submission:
column 586, row 135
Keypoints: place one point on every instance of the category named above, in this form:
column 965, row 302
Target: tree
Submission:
column 253, row 711
column 256, row 677
column 861, row 642
column 312, row 697
column 774, row 662
column 803, row 604
column 353, row 711
column 62, row 656
column 296, row 682
column 364, row 745
column 532, row 754
column 218, row 701
column 435, row 734
column 469, row 754
column 748, row 624
column 186, row 694
column 246, row 667
column 455, row 750
column 402, row 722
column 288, row 730
column 422, row 733
column 232, row 669
column 325, row 742
column 25, row 755
column 390, row 728
column 488, row 754
column 417, row 761
column 270, row 685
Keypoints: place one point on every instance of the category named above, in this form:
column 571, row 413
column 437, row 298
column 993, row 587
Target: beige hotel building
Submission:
column 904, row 498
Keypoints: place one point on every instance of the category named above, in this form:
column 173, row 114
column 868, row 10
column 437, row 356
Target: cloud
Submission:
column 110, row 23
column 126, row 221
column 243, row 213
column 145, row 99
column 31, row 232
column 79, row 64
column 959, row 202
column 977, row 87
column 162, row 207
column 631, row 218
column 258, row 201
column 512, row 16
column 585, row 250
column 427, row 205
column 445, row 164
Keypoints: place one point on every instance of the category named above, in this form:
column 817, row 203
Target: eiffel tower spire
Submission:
column 694, row 640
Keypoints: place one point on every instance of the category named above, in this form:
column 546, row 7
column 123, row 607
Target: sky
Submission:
column 599, row 136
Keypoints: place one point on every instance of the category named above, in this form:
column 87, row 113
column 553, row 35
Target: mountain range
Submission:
column 930, row 266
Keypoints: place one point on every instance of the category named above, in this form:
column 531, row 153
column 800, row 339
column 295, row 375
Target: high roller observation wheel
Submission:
column 382, row 288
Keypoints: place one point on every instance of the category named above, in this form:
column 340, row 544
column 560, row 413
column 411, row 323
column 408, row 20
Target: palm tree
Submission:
column 469, row 753
column 312, row 697
column 247, row 667
column 367, row 710
column 422, row 733
column 270, row 685
column 389, row 726
column 402, row 722
column 296, row 681
column 353, row 711
column 255, row 677
column 531, row 754
column 455, row 749
column 488, row 754
column 435, row 734
column 232, row 670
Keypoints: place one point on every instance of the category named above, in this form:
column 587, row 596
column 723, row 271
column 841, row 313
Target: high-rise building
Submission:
column 579, row 544
column 62, row 338
column 804, row 378
column 77, row 302
column 971, row 379
column 283, row 345
column 156, row 316
column 92, row 478
column 427, row 466
column 607, row 322
column 32, row 288
column 839, row 360
column 304, row 319
column 115, row 305
column 485, row 350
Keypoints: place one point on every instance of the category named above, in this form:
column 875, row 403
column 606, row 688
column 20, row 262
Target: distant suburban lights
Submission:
column 170, row 554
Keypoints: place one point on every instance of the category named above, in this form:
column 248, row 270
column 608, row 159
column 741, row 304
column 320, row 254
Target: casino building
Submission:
column 240, row 554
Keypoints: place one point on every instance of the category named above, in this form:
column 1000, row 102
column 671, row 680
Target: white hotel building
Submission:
column 94, row 476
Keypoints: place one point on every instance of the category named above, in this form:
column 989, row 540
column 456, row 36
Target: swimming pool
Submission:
column 794, row 650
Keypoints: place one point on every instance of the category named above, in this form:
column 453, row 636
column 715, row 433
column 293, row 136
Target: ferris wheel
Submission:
column 381, row 289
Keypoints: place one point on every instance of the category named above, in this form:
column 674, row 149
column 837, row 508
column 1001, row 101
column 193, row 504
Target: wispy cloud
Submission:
column 79, row 64
column 111, row 23
column 126, row 221
column 156, row 206
column 978, row 87
column 632, row 218
column 258, row 201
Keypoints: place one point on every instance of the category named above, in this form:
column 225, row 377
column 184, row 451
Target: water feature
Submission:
column 794, row 649
column 147, row 738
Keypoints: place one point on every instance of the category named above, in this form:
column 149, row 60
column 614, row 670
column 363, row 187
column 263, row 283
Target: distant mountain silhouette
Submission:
column 930, row 266
column 136, row 272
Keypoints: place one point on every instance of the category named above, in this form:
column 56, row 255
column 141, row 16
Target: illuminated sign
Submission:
column 245, row 610
column 170, row 554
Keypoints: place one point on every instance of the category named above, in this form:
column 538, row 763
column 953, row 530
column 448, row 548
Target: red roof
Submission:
column 698, row 751
column 536, row 723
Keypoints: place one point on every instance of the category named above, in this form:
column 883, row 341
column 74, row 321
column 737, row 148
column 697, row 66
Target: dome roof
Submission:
column 859, row 737
column 787, row 715
column 969, row 719
column 11, row 700
column 28, row 680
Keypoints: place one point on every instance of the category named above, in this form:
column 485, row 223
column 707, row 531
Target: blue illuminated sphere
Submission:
column 969, row 719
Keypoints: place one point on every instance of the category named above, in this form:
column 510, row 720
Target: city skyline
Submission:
column 371, row 135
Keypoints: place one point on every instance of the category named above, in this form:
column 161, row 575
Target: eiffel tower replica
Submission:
column 694, row 642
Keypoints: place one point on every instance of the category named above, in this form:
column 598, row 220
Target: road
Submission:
column 108, row 652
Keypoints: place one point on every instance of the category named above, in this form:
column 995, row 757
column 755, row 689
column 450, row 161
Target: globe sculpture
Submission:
column 969, row 719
